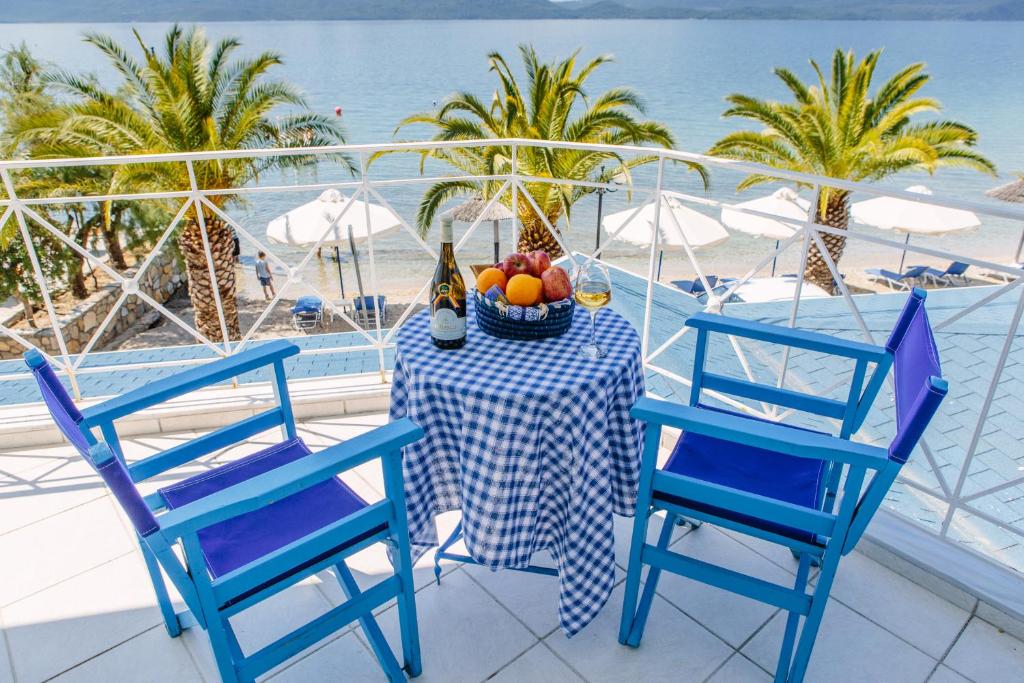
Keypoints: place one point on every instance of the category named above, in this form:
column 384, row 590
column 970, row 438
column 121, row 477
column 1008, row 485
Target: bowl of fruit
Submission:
column 524, row 297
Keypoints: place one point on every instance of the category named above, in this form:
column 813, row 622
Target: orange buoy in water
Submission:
column 337, row 111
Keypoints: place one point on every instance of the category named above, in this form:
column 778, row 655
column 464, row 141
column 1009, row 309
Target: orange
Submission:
column 490, row 277
column 524, row 290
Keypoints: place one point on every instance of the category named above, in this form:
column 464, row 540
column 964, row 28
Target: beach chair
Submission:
column 953, row 274
column 812, row 492
column 363, row 311
column 307, row 313
column 233, row 536
column 696, row 287
column 902, row 280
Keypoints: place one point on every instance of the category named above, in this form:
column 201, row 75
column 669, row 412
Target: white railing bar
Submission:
column 648, row 198
column 5, row 215
column 649, row 296
column 58, row 331
column 373, row 269
column 1005, row 210
column 82, row 251
column 117, row 197
column 992, row 489
column 179, row 322
column 841, row 284
column 407, row 312
column 163, row 238
column 479, row 219
column 513, row 171
column 405, row 224
column 689, row 250
column 1003, row 289
column 544, row 219
column 214, row 283
column 812, row 209
column 986, row 405
column 936, row 470
column 98, row 334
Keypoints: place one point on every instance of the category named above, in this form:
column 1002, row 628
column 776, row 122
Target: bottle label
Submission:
column 446, row 325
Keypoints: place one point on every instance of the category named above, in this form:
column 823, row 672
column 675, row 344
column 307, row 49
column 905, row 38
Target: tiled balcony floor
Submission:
column 75, row 605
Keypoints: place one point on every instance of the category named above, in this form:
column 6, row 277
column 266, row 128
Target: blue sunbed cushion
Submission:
column 367, row 303
column 240, row 540
column 754, row 470
column 308, row 304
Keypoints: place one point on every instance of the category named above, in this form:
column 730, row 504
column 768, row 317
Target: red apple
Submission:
column 556, row 284
column 516, row 264
column 539, row 262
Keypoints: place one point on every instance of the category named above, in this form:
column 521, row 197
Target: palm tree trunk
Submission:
column 200, row 288
column 110, row 237
column 834, row 213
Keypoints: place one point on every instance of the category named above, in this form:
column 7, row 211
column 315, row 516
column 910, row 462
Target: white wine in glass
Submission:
column 593, row 291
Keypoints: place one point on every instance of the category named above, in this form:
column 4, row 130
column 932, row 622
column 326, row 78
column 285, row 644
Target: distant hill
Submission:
column 283, row 10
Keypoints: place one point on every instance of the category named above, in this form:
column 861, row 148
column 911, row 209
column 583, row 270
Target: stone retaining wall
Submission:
column 161, row 280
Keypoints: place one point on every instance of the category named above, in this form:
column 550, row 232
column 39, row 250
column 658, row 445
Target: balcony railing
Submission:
column 941, row 489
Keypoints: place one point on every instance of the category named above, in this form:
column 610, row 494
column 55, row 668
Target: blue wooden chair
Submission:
column 253, row 527
column 810, row 491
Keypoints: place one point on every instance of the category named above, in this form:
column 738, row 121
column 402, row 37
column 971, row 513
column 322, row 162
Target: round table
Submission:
column 532, row 441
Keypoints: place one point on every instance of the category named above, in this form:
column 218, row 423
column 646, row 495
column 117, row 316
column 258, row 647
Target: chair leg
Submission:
column 226, row 651
column 793, row 620
column 171, row 621
column 632, row 587
column 378, row 643
column 809, row 633
column 643, row 610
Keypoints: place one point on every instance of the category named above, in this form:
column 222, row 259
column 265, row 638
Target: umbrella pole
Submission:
column 597, row 232
column 497, row 242
column 661, row 257
column 776, row 258
column 359, row 277
column 341, row 278
column 903, row 256
column 1020, row 247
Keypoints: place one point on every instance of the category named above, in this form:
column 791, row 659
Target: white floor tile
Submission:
column 342, row 659
column 44, row 491
column 779, row 555
column 674, row 647
column 264, row 623
column 531, row 597
column 624, row 536
column 850, row 645
column 537, row 665
column 732, row 617
column 898, row 604
column 152, row 657
column 54, row 630
column 946, row 675
column 984, row 653
column 56, row 548
column 739, row 669
column 464, row 634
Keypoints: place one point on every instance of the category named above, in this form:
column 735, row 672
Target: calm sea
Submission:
column 379, row 72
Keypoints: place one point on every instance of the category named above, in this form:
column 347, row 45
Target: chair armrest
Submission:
column 813, row 341
column 749, row 432
column 286, row 480
column 184, row 382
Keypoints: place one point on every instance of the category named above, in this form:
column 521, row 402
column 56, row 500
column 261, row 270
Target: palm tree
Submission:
column 838, row 128
column 554, row 106
column 192, row 97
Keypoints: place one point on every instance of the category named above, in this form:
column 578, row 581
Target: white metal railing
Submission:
column 950, row 491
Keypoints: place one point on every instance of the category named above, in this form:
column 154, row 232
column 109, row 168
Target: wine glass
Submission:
column 593, row 292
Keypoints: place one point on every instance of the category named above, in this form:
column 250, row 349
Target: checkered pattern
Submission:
column 532, row 442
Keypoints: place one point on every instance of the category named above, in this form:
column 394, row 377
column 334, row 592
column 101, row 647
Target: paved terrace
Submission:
column 969, row 348
column 76, row 604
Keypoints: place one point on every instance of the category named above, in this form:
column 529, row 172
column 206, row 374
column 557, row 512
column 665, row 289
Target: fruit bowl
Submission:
column 523, row 323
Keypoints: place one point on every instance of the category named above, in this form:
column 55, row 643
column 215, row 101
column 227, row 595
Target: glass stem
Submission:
column 593, row 328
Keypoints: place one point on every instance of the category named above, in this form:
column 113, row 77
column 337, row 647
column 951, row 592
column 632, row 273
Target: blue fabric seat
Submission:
column 751, row 469
column 238, row 541
column 308, row 304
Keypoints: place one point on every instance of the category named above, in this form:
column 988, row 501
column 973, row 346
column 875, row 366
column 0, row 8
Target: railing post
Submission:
column 650, row 269
column 197, row 206
column 379, row 343
column 37, row 271
column 515, row 198
column 808, row 227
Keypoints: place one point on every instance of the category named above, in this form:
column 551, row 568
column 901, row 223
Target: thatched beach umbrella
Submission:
column 476, row 208
column 1011, row 192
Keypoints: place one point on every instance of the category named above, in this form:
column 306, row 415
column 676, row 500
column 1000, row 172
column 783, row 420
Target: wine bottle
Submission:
column 447, row 296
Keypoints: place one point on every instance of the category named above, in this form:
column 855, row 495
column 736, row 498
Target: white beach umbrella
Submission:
column 784, row 203
column 342, row 219
column 911, row 217
column 677, row 225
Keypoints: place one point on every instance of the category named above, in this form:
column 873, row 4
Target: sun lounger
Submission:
column 361, row 310
column 308, row 312
column 902, row 280
column 953, row 274
column 696, row 287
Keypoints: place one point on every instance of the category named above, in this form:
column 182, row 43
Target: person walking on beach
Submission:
column 263, row 273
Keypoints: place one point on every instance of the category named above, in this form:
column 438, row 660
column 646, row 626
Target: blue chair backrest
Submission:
column 917, row 375
column 957, row 268
column 911, row 273
column 61, row 406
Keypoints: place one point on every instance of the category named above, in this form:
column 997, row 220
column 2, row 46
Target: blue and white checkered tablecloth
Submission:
column 532, row 442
